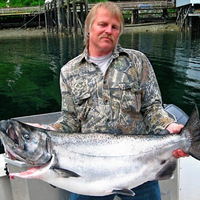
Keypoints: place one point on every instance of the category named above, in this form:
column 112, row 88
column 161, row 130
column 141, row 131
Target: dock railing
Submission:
column 21, row 10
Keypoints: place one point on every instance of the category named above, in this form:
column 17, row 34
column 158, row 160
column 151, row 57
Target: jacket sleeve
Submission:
column 155, row 117
column 68, row 121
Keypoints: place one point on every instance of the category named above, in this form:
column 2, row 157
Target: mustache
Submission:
column 107, row 36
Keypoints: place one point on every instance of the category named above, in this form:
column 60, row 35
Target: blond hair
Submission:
column 110, row 6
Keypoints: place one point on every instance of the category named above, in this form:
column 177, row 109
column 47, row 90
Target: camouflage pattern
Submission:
column 126, row 100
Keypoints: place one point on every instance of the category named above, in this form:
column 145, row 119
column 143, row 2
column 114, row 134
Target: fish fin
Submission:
column 65, row 173
column 193, row 127
column 53, row 186
column 167, row 171
column 124, row 191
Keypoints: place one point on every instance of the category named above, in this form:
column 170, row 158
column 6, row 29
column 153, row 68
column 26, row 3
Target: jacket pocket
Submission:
column 131, row 97
column 81, row 98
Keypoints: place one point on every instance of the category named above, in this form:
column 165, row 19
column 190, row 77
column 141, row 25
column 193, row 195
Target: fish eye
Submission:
column 26, row 136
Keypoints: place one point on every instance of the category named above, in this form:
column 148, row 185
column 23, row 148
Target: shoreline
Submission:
column 152, row 27
column 38, row 32
column 16, row 32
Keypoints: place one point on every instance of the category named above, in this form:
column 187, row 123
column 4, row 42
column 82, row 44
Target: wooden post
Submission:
column 25, row 22
column 51, row 17
column 81, row 13
column 39, row 15
column 59, row 17
column 86, row 7
column 165, row 14
column 46, row 17
column 74, row 16
column 69, row 18
column 134, row 17
column 54, row 18
column 63, row 16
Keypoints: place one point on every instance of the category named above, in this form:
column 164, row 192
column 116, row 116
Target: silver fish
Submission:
column 97, row 164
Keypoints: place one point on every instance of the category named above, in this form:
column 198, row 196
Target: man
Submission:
column 112, row 90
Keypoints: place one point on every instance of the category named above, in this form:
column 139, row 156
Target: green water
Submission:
column 30, row 67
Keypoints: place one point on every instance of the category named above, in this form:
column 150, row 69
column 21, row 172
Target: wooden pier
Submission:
column 188, row 17
column 61, row 17
column 22, row 17
column 67, row 17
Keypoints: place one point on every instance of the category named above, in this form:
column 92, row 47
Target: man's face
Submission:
column 104, row 33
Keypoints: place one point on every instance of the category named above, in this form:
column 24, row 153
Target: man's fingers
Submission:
column 179, row 153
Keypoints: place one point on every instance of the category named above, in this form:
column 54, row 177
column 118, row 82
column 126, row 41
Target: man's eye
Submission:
column 102, row 25
column 115, row 27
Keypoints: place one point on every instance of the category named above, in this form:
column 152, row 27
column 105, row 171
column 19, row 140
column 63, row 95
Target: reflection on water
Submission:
column 187, row 61
column 30, row 67
column 29, row 73
column 176, row 61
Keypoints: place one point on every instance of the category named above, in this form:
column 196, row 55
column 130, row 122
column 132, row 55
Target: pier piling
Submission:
column 64, row 17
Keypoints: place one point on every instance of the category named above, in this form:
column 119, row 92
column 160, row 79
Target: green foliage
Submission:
column 21, row 3
column 2, row 3
column 95, row 1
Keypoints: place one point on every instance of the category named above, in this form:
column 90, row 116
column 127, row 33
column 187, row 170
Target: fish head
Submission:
column 25, row 143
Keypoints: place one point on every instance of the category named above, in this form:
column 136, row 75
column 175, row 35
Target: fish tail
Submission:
column 193, row 127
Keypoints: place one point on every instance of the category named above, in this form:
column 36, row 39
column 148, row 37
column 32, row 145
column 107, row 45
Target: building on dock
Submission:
column 188, row 14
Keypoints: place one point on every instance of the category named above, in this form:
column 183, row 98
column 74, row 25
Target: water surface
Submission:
column 30, row 67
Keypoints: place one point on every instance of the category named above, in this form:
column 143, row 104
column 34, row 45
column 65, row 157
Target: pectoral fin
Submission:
column 126, row 192
column 167, row 171
column 65, row 173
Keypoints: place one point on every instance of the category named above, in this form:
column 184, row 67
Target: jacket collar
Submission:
column 116, row 52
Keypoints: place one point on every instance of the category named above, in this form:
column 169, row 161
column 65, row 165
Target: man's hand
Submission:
column 179, row 153
column 176, row 128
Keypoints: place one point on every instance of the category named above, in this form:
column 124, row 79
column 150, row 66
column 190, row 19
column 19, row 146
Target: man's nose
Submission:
column 109, row 29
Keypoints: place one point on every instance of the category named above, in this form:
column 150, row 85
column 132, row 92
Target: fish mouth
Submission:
column 35, row 172
column 11, row 133
column 12, row 144
column 8, row 132
column 11, row 156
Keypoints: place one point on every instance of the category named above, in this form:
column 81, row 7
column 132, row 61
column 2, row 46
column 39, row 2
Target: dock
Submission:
column 21, row 17
column 67, row 17
column 188, row 17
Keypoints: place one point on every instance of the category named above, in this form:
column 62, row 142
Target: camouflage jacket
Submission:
column 126, row 100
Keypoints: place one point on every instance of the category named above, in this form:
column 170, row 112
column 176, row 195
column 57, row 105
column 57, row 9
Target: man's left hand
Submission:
column 176, row 128
column 179, row 153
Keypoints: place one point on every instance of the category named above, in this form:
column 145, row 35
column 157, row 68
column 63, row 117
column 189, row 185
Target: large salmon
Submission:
column 97, row 164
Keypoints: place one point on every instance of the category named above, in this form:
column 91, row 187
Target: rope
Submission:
column 29, row 21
